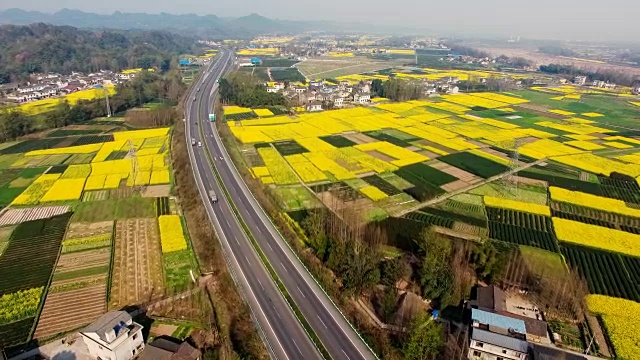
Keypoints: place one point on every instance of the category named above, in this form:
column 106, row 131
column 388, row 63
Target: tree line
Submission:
column 439, row 269
column 617, row 77
column 145, row 87
column 245, row 90
column 63, row 49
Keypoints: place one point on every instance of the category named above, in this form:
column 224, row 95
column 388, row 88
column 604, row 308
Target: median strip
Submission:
column 274, row 276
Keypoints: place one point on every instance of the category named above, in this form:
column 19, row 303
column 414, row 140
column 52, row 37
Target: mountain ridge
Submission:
column 201, row 25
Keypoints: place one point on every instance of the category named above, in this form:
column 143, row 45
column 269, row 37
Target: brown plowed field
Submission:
column 84, row 229
column 137, row 274
column 70, row 310
column 83, row 260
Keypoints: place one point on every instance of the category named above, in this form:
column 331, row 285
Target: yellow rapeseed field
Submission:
column 278, row 167
column 597, row 237
column 95, row 182
column 263, row 112
column 373, row 193
column 64, row 189
column 82, row 149
column 517, row 205
column 620, row 317
column 592, row 201
column 160, row 177
column 305, row 169
column 77, row 171
column 171, row 234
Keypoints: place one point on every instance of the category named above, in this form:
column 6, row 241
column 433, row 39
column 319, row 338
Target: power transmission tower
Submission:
column 106, row 97
column 514, row 161
column 134, row 165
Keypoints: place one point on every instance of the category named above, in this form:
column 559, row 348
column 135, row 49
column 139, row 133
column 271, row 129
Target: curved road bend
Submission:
column 335, row 333
column 285, row 337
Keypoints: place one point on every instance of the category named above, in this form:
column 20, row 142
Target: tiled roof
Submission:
column 501, row 321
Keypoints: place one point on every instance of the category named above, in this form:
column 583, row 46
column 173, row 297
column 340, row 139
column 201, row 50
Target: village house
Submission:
column 580, row 80
column 163, row 349
column 114, row 336
column 314, row 106
column 361, row 98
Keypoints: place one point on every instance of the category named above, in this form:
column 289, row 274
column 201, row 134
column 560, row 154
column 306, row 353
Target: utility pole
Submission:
column 106, row 98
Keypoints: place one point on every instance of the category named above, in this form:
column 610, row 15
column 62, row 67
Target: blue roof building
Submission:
column 185, row 61
column 256, row 61
column 480, row 317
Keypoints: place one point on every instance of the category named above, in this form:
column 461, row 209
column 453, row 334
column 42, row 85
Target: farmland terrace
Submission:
column 82, row 224
column 544, row 168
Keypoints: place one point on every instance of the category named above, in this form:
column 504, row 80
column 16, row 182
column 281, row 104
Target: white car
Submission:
column 199, row 143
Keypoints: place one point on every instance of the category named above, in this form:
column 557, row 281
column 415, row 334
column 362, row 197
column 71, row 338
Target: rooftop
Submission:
column 501, row 321
column 499, row 340
column 491, row 298
column 113, row 321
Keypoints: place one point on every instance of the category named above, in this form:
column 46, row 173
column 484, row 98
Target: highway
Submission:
column 283, row 333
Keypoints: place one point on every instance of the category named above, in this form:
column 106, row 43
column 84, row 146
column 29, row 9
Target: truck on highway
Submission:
column 193, row 142
column 213, row 197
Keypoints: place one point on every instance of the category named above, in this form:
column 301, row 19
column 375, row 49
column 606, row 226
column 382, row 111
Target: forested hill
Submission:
column 48, row 48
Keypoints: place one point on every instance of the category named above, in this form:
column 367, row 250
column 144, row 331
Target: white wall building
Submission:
column 485, row 345
column 114, row 336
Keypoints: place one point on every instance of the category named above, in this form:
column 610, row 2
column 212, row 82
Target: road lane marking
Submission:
column 285, row 269
column 323, row 324
column 301, row 293
column 297, row 347
column 246, row 258
column 260, row 282
column 345, row 354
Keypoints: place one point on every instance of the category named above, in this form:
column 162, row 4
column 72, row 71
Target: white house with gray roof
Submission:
column 485, row 345
column 114, row 336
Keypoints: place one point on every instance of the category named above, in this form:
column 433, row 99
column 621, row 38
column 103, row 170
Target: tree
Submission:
column 377, row 88
column 425, row 339
column 434, row 274
column 392, row 270
column 14, row 124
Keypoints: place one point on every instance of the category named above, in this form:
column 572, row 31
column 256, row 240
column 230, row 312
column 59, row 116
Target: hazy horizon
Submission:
column 543, row 19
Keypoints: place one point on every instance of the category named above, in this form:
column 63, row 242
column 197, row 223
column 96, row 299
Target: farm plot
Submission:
column 16, row 216
column 80, row 277
column 338, row 141
column 291, row 147
column 606, row 273
column 382, row 184
column 18, row 184
column 522, row 228
column 137, row 267
column 474, row 164
column 89, row 303
column 19, row 268
column 23, row 276
column 426, row 181
column 620, row 318
column 16, row 332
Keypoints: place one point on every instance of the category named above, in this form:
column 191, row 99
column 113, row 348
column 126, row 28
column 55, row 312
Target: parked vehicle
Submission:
column 193, row 142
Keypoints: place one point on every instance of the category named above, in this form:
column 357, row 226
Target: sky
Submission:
column 541, row 19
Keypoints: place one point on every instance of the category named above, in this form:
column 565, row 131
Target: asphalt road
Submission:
column 283, row 333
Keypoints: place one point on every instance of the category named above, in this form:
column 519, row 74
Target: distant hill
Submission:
column 40, row 48
column 211, row 25
column 207, row 25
